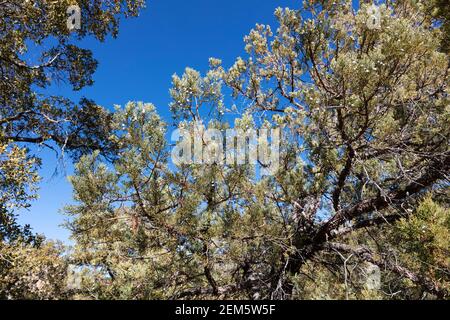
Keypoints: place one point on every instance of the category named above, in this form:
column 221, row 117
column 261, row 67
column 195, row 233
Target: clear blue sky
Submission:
column 168, row 36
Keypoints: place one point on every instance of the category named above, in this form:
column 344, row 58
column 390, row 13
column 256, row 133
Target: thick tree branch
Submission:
column 342, row 178
column 432, row 174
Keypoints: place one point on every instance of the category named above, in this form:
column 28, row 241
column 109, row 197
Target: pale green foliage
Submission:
column 364, row 114
column 109, row 233
column 424, row 241
column 192, row 93
column 365, row 120
column 427, row 233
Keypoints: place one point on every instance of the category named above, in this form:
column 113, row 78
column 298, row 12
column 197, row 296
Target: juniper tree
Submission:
column 362, row 186
column 37, row 50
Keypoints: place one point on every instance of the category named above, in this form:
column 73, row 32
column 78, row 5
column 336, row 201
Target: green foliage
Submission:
column 365, row 120
column 18, row 188
column 364, row 114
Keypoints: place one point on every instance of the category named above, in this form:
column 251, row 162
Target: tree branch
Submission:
column 369, row 256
